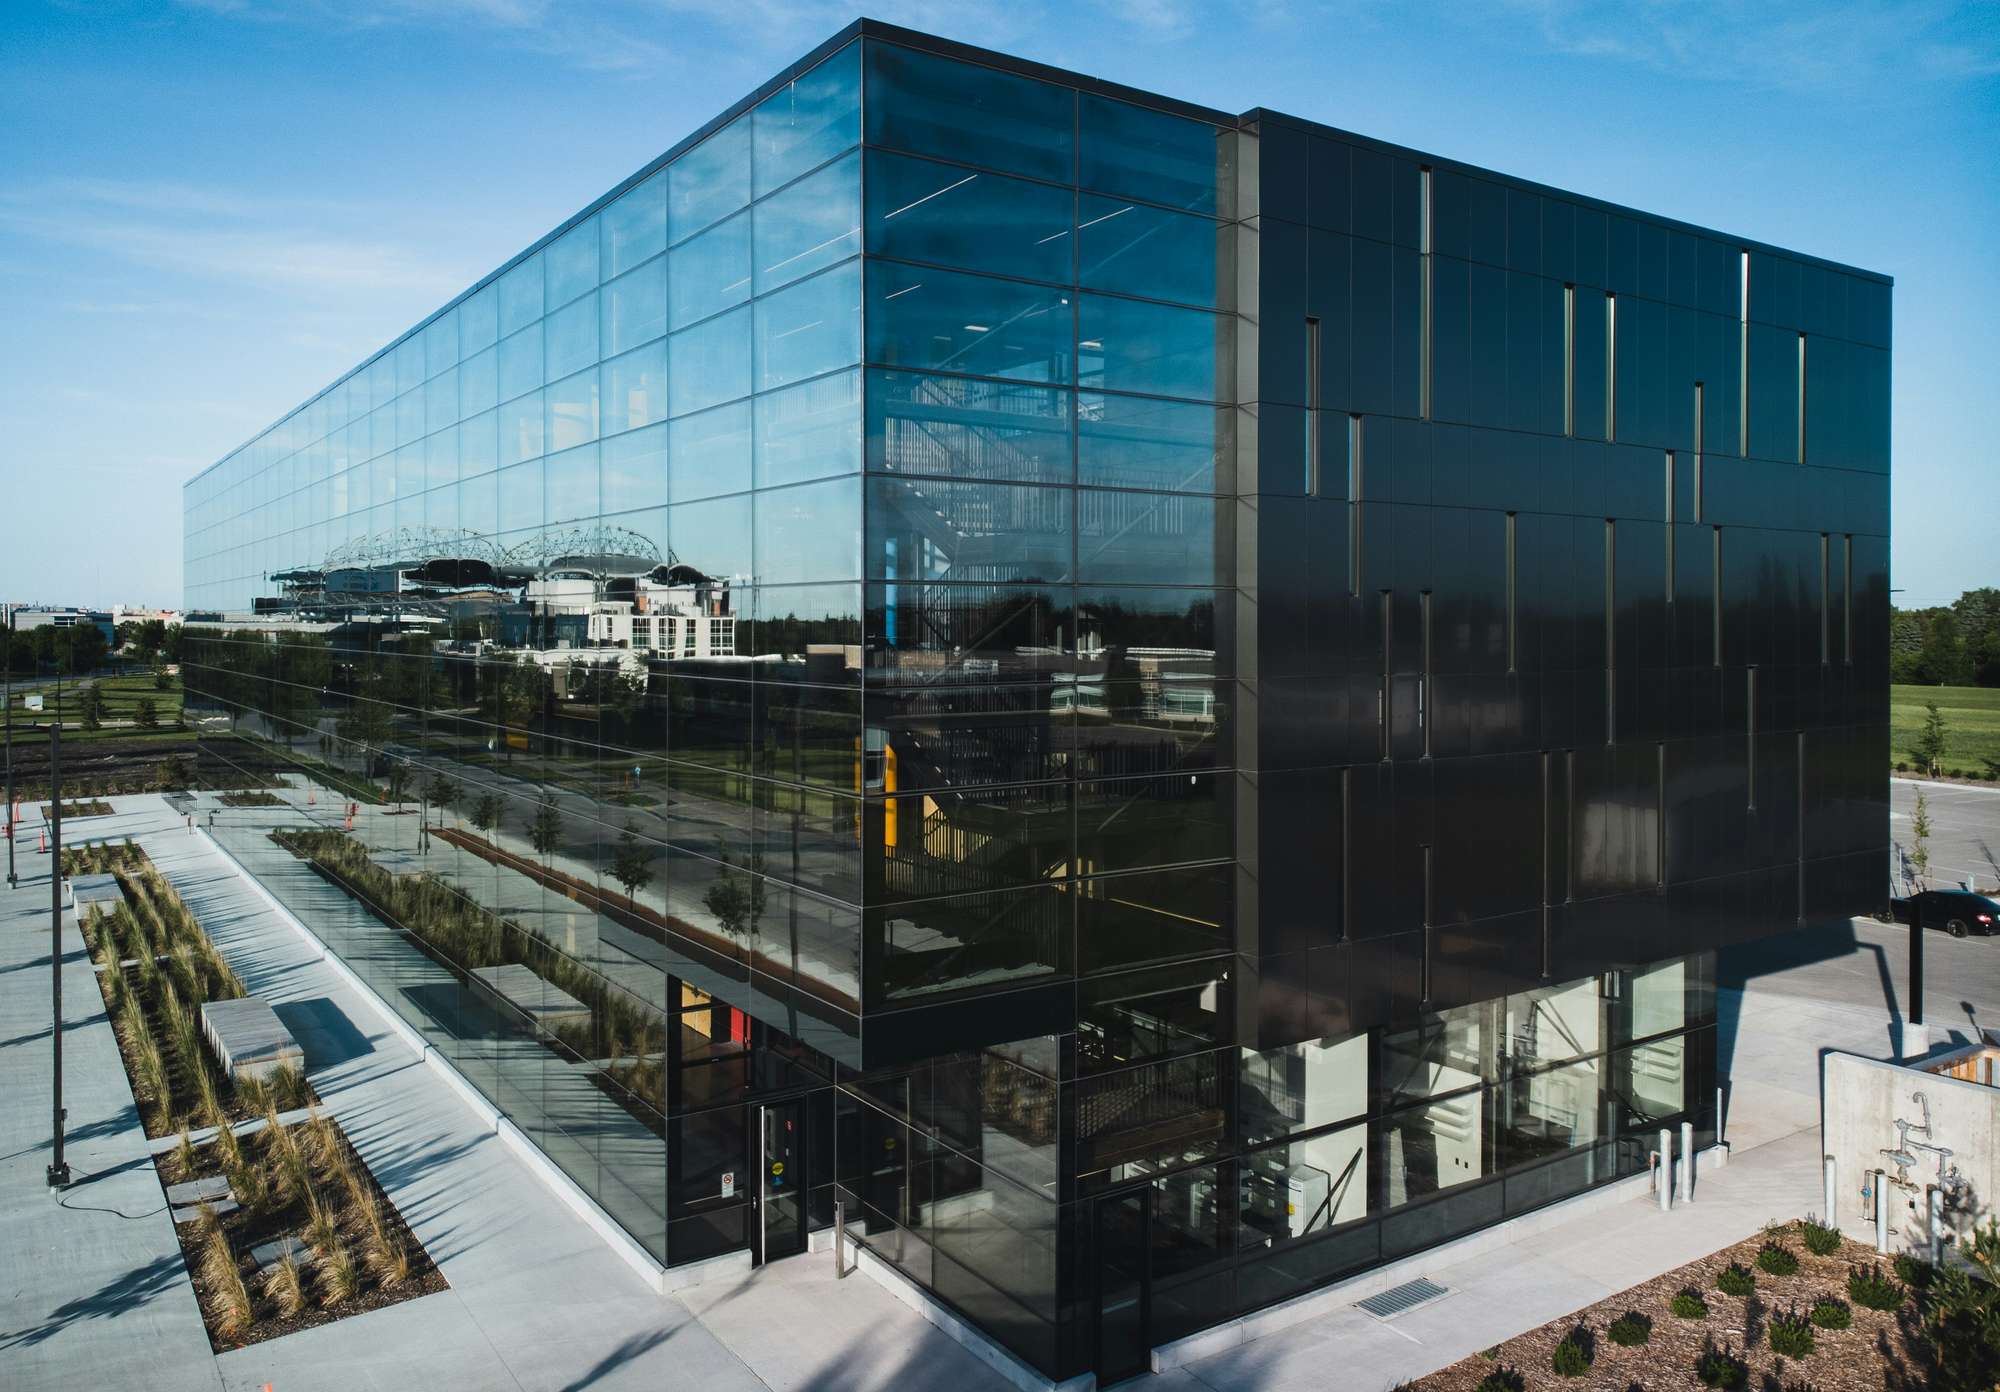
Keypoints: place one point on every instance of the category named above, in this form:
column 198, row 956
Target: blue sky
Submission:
column 211, row 208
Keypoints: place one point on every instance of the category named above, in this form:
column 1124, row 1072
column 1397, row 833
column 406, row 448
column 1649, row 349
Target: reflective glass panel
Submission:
column 572, row 263
column 1136, row 442
column 635, row 307
column 635, row 388
column 929, row 530
column 479, row 321
column 520, row 296
column 710, row 273
column 713, row 536
column 633, row 469
column 809, row 532
column 711, row 453
column 1148, row 251
column 572, row 411
column 810, row 328
column 966, row 428
column 814, row 223
column 570, row 484
column 809, row 431
column 1127, row 345
column 571, row 338
column 946, row 320
column 521, row 424
column 521, row 362
column 947, row 214
column 1149, row 154
column 934, row 106
column 1146, row 538
column 635, row 227
column 809, row 121
column 710, row 181
column 479, row 382
column 709, row 363
column 521, row 496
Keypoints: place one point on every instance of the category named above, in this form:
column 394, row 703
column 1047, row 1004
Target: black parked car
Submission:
column 1959, row 912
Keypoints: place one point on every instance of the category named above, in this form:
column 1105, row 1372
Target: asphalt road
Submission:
column 1965, row 832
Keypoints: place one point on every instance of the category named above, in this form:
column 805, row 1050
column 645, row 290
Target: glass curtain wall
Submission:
column 567, row 693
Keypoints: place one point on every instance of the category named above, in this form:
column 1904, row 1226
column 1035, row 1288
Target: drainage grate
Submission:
column 1400, row 1300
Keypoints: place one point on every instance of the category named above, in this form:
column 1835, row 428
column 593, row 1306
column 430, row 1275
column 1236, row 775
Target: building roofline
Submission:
column 1260, row 116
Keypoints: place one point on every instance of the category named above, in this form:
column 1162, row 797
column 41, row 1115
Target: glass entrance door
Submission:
column 1124, row 1294
column 781, row 1182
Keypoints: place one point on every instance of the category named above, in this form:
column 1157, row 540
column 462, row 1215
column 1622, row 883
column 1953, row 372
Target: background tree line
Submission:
column 1956, row 644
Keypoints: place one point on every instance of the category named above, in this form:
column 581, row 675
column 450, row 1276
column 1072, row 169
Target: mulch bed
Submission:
column 1878, row 1352
column 79, row 809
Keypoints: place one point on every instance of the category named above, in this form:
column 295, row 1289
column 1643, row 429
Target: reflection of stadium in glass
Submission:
column 1154, row 700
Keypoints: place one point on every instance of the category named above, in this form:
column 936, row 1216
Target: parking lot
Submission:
column 1965, row 833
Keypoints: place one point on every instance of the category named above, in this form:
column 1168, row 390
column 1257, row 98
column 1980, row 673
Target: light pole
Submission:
column 58, row 1167
column 7, row 681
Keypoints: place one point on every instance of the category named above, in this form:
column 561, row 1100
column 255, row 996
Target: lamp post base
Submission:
column 59, row 1176
column 1913, row 1041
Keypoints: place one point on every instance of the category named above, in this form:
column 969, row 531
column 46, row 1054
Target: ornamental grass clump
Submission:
column 286, row 1287
column 339, row 1275
column 1735, row 1279
column 224, row 1279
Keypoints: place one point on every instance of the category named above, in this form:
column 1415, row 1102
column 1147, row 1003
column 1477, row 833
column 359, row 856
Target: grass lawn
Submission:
column 1971, row 723
column 121, row 706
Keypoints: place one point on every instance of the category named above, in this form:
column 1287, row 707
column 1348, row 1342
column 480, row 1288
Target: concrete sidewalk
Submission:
column 94, row 1290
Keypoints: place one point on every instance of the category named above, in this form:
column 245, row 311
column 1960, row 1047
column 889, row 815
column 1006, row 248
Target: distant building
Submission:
column 27, row 619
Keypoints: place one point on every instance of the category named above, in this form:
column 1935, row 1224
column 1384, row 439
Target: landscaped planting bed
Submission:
column 623, row 1039
column 252, row 799
column 79, row 809
column 331, row 1242
column 1769, row 1314
column 299, row 1183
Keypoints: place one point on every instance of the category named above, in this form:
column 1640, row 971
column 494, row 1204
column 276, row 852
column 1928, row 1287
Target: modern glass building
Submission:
column 1172, row 705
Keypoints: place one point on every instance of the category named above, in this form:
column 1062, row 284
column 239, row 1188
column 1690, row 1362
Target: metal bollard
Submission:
column 1719, row 1140
column 839, row 1239
column 1934, row 1202
column 1666, row 1170
column 1881, row 1214
column 1829, row 1214
column 1686, row 1191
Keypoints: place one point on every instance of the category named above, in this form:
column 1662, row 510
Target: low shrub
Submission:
column 339, row 1275
column 1502, row 1380
column 224, row 1280
column 286, row 1287
column 1688, row 1305
column 1720, row 1368
column 1872, row 1289
column 1630, row 1330
column 1735, row 1279
column 1820, row 1240
column 1777, row 1259
column 1832, row 1314
column 1791, row 1334
column 1572, row 1357
column 1914, row 1272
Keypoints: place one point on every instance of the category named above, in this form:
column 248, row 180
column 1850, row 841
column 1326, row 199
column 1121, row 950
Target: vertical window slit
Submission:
column 1424, row 382
column 1513, row 594
column 1847, row 599
column 1610, row 631
column 1802, row 398
column 1569, row 360
column 1354, row 438
column 1825, row 599
column 1698, row 405
column 1428, row 904
column 1424, row 681
column 1669, row 472
column 1743, row 361
column 1610, row 366
column 1346, row 850
column 1801, row 830
column 1569, row 811
column 1660, row 815
column 1388, row 660
column 1312, row 407
column 1546, row 858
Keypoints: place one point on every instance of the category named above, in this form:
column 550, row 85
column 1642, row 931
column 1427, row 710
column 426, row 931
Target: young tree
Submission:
column 631, row 862
column 1929, row 746
column 399, row 781
column 545, row 825
column 146, row 715
column 442, row 792
column 1920, row 842
column 91, row 702
column 486, row 811
column 1961, row 1315
column 162, row 679
column 736, row 900
column 176, row 773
